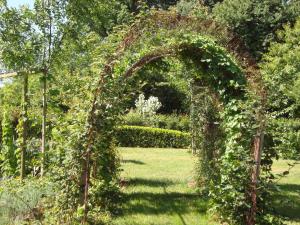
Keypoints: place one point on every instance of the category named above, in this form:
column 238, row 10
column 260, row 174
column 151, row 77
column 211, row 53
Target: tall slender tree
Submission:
column 50, row 20
column 30, row 39
column 19, row 52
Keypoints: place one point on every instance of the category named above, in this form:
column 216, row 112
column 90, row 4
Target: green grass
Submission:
column 158, row 189
column 287, row 199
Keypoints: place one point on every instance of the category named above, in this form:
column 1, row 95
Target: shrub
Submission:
column 8, row 159
column 285, row 135
column 137, row 136
column 147, row 108
column 133, row 118
column 171, row 122
column 20, row 202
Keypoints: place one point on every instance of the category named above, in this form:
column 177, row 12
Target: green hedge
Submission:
column 139, row 136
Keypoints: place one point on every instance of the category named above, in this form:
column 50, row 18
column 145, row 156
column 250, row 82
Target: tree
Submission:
column 31, row 39
column 256, row 21
column 281, row 73
column 162, row 4
column 19, row 52
column 50, row 19
column 210, row 3
column 97, row 16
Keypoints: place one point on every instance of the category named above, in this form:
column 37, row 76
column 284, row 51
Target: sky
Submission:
column 17, row 3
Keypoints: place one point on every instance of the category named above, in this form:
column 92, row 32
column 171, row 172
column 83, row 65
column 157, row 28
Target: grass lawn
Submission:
column 287, row 201
column 159, row 190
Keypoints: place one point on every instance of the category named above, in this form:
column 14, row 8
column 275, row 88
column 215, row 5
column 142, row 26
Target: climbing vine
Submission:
column 228, row 74
column 8, row 155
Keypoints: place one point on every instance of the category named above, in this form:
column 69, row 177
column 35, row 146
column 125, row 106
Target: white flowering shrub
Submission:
column 149, row 107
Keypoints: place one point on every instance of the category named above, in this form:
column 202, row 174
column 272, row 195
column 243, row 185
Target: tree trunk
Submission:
column 192, row 118
column 258, row 147
column 86, row 186
column 44, row 124
column 25, row 125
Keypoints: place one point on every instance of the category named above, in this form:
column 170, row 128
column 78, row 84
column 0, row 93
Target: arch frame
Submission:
column 226, row 63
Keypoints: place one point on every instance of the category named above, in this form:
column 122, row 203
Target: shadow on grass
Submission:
column 149, row 182
column 163, row 203
column 287, row 201
column 138, row 162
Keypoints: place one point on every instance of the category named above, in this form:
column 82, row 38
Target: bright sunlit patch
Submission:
column 18, row 3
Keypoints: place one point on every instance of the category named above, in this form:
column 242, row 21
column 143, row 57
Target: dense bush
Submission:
column 256, row 21
column 133, row 118
column 171, row 121
column 24, row 201
column 8, row 159
column 280, row 71
column 137, row 136
column 285, row 135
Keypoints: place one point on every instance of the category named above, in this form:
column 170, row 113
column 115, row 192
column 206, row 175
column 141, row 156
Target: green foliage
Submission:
column 8, row 149
column 166, row 121
column 164, row 4
column 98, row 16
column 207, row 136
column 256, row 21
column 285, row 137
column 230, row 192
column 161, row 79
column 84, row 123
column 190, row 7
column 10, row 98
column 211, row 3
column 136, row 136
column 67, row 163
column 198, row 48
column 24, row 201
column 10, row 101
column 173, row 122
column 281, row 73
column 18, row 40
column 133, row 118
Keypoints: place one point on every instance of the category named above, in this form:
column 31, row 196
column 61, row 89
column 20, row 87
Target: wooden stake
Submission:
column 25, row 127
column 258, row 148
column 44, row 124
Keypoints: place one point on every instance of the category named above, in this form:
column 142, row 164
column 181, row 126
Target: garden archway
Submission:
column 227, row 70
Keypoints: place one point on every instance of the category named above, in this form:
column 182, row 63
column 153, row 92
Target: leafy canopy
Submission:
column 257, row 21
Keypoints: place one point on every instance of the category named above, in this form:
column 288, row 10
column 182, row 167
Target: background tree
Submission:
column 256, row 21
column 98, row 16
column 50, row 21
column 30, row 40
column 281, row 73
column 19, row 52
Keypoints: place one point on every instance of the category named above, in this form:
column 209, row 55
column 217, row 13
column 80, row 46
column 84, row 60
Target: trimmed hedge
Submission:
column 139, row 136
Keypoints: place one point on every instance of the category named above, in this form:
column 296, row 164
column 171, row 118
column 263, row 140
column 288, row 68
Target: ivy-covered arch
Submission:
column 225, row 68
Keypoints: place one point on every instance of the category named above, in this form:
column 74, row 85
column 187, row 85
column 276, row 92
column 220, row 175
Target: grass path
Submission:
column 158, row 192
